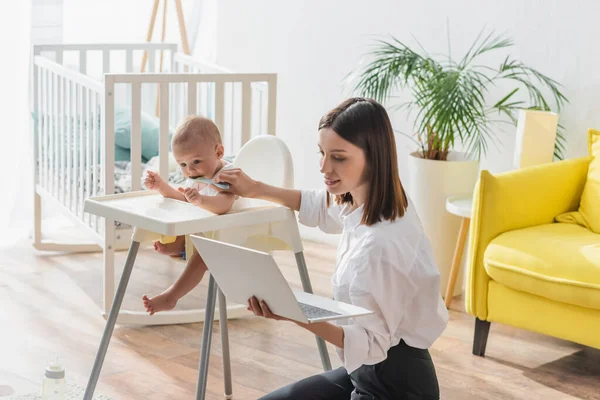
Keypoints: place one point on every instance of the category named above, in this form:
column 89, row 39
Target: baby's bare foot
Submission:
column 161, row 302
column 171, row 249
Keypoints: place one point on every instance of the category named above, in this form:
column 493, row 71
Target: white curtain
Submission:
column 16, row 159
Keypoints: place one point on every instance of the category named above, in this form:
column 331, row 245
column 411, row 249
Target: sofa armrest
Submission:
column 514, row 200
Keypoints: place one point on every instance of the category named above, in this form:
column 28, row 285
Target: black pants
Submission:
column 407, row 373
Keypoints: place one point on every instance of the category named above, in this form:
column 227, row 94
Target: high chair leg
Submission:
column 306, row 285
column 206, row 338
column 112, row 319
column 225, row 345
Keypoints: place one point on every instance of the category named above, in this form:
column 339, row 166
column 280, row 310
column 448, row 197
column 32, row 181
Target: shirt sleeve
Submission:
column 379, row 286
column 315, row 213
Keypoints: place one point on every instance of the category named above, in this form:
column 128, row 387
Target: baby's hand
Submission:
column 153, row 181
column 192, row 196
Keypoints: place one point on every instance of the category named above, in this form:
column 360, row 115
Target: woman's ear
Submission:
column 220, row 151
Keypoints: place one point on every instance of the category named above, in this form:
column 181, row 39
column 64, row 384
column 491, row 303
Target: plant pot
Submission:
column 431, row 182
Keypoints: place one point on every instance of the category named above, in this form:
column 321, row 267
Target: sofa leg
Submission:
column 482, row 328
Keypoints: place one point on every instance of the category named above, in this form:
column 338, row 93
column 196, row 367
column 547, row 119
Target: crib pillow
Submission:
column 150, row 132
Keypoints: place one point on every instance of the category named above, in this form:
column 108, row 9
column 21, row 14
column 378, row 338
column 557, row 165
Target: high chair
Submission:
column 263, row 226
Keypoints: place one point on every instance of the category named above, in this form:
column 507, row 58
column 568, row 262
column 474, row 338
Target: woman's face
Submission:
column 343, row 165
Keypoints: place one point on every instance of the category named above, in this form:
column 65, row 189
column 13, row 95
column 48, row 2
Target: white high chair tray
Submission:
column 152, row 212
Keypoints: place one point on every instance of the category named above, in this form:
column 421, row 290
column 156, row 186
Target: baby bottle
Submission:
column 53, row 387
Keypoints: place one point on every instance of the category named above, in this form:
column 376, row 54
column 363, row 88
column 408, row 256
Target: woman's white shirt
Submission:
column 387, row 268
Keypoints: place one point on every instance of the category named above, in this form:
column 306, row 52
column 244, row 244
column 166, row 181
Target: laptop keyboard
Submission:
column 316, row 312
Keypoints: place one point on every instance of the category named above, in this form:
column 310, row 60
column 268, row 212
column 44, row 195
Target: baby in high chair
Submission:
column 198, row 149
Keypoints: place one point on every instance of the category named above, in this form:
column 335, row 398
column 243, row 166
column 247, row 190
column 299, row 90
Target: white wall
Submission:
column 46, row 21
column 313, row 44
column 16, row 202
column 119, row 21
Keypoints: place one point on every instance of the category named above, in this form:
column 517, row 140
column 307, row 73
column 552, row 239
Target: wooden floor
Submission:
column 49, row 305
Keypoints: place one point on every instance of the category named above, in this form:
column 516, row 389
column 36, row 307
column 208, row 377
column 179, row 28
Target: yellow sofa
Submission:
column 527, row 270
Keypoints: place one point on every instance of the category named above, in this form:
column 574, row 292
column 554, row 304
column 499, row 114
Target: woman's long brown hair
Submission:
column 365, row 123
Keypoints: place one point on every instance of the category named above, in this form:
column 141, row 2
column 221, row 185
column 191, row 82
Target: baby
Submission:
column 198, row 149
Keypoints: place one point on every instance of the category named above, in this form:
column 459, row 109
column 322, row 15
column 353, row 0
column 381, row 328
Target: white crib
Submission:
column 76, row 90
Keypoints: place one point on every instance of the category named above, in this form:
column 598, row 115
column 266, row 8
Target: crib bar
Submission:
column 191, row 90
column 105, row 61
column 43, row 131
column 75, row 149
column 47, row 132
column 220, row 105
column 108, row 134
column 57, row 136
column 39, row 112
column 129, row 61
column 174, row 101
column 51, row 105
column 264, row 112
column 96, row 162
column 259, row 120
column 37, row 205
column 194, row 65
column 151, row 60
column 102, row 46
column 199, row 99
column 44, row 119
column 184, row 78
column 75, row 143
column 63, row 140
column 53, row 147
column 83, row 61
column 202, row 104
column 62, row 127
column 88, row 147
column 69, row 155
column 246, row 112
column 65, row 137
column 230, row 115
column 59, row 57
column 136, row 135
column 82, row 152
column 272, row 110
column 163, row 141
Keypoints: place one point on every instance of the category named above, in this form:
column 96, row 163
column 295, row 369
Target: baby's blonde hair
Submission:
column 194, row 127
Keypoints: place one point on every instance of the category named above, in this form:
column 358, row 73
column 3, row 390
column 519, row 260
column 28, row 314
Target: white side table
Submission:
column 462, row 207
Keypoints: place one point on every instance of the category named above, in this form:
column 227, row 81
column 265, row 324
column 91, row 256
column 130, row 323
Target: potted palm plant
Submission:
column 454, row 108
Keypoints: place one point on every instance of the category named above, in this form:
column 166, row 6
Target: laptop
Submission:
column 242, row 273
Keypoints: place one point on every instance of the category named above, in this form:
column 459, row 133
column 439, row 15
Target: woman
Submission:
column 384, row 262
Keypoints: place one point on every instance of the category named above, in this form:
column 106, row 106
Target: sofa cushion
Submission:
column 588, row 214
column 558, row 261
column 589, row 208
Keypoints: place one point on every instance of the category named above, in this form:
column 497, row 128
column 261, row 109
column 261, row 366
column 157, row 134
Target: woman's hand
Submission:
column 239, row 183
column 331, row 333
column 260, row 308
